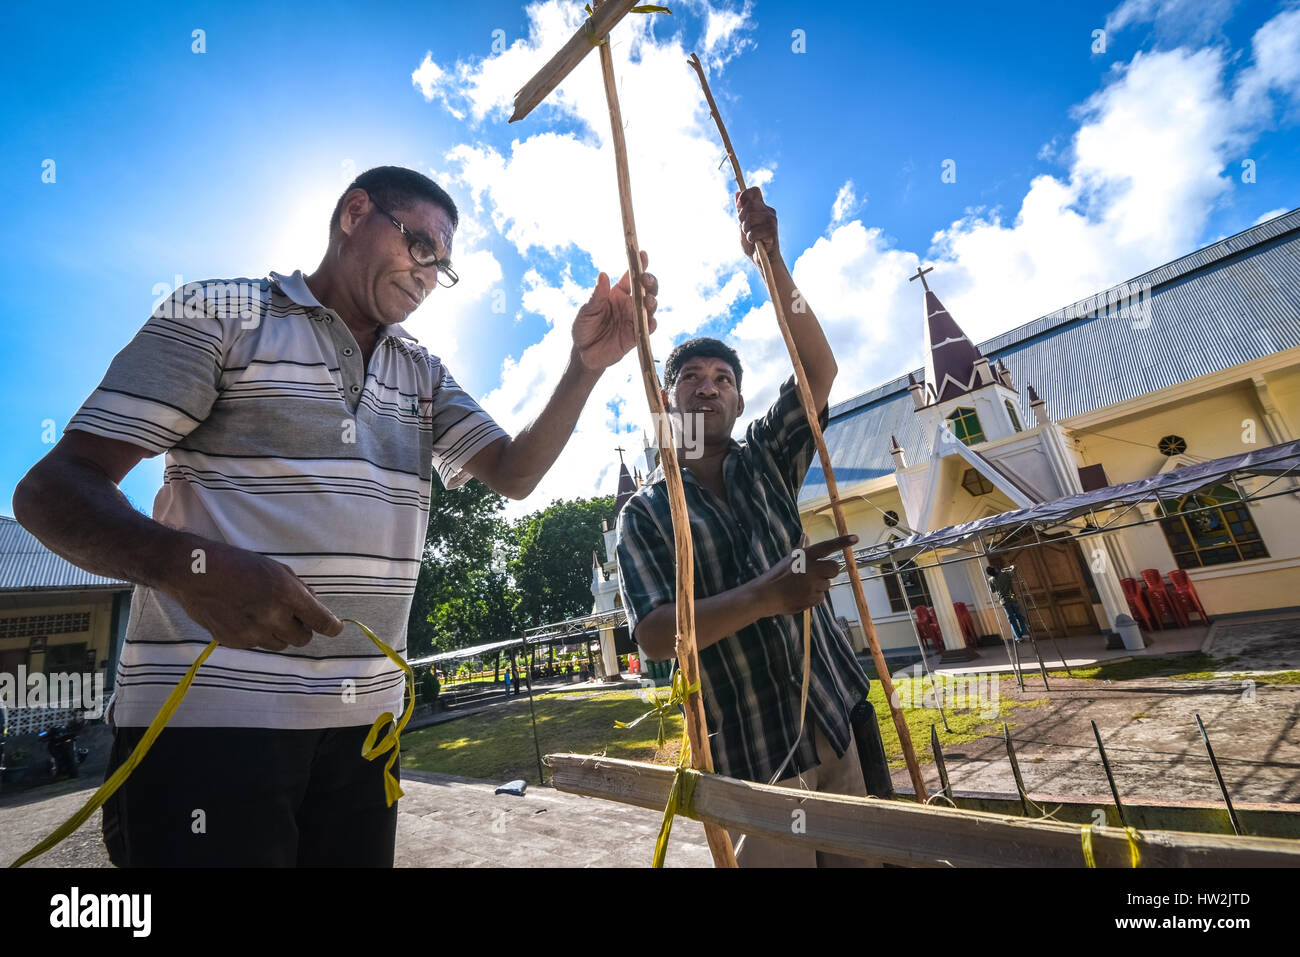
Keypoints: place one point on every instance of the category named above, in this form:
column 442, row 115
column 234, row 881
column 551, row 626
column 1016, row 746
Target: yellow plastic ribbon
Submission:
column 640, row 8
column 664, row 706
column 391, row 741
column 370, row 750
column 1086, row 836
column 1133, row 835
column 122, row 773
column 681, row 798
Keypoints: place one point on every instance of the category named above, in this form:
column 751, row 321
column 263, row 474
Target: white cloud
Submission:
column 1152, row 158
column 846, row 203
column 1271, row 214
column 1275, row 68
column 1174, row 21
column 556, row 193
column 724, row 34
column 856, row 285
column 1148, row 164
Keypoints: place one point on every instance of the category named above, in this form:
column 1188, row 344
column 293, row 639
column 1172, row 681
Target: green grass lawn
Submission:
column 497, row 745
column 965, row 724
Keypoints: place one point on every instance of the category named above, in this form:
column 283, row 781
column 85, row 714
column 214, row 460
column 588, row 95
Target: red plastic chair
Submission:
column 967, row 623
column 1185, row 595
column 928, row 626
column 1159, row 600
column 1137, row 605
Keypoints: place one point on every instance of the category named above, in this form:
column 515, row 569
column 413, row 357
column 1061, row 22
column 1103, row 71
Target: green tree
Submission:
column 551, row 559
column 462, row 594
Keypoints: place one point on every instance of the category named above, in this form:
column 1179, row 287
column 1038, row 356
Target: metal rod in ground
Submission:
column 541, row 778
column 1119, row 807
column 994, row 604
column 920, row 646
column 1042, row 669
column 939, row 762
column 1013, row 652
column 1015, row 770
column 1032, row 604
column 1060, row 655
column 1033, row 637
column 1223, row 788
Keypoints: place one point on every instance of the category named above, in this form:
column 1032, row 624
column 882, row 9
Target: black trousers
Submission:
column 250, row 797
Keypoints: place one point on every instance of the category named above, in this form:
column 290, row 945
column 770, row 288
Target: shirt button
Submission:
column 356, row 389
column 347, row 351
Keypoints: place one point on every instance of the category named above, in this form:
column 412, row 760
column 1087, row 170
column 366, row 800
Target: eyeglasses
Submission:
column 421, row 252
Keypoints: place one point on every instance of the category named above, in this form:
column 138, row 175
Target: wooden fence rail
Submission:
column 895, row 832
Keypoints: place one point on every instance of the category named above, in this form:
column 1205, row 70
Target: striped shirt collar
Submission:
column 295, row 287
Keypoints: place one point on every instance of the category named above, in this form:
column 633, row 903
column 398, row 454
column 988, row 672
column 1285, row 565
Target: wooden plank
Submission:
column 592, row 33
column 906, row 834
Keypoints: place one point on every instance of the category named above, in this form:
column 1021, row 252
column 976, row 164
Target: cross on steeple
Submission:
column 620, row 450
column 920, row 274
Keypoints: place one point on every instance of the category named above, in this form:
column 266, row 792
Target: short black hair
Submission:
column 396, row 187
column 693, row 348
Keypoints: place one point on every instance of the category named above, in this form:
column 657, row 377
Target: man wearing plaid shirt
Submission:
column 752, row 582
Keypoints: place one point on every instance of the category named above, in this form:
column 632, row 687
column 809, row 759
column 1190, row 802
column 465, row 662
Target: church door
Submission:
column 1058, row 584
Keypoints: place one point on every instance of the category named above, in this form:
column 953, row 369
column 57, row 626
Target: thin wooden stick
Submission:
column 687, row 657
column 805, row 396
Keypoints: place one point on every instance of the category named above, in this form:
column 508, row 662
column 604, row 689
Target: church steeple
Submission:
column 953, row 366
column 626, row 487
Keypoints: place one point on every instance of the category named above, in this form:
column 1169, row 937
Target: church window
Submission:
column 913, row 582
column 1219, row 529
column 966, row 426
column 1015, row 419
column 1172, row 445
column 975, row 483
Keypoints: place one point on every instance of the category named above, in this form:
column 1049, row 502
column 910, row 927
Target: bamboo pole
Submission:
column 687, row 657
column 805, row 396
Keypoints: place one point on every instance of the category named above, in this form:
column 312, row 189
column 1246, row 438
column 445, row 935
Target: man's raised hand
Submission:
column 757, row 223
column 605, row 329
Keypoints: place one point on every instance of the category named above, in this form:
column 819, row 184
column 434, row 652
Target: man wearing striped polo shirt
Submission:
column 301, row 426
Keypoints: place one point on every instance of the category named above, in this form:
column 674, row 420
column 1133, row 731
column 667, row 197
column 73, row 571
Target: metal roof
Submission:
column 26, row 564
column 1233, row 301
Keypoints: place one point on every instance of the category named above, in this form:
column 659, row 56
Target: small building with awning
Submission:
column 55, row 618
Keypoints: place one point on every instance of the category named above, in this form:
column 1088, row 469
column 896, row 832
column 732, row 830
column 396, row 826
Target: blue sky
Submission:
column 1075, row 168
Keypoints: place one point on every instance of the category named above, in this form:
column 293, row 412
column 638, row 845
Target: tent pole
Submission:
column 925, row 664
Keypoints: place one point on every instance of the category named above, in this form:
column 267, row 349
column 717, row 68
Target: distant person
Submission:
column 1002, row 582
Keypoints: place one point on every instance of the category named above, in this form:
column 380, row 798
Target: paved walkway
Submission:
column 1081, row 651
column 1149, row 729
column 443, row 821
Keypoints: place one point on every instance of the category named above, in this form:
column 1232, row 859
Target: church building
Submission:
column 1193, row 363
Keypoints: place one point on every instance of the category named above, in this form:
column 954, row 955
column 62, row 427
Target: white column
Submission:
column 1099, row 553
column 942, row 601
column 609, row 655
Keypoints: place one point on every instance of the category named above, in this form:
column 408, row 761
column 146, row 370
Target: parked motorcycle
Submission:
column 66, row 755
